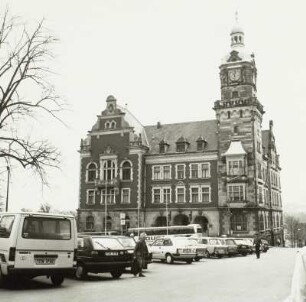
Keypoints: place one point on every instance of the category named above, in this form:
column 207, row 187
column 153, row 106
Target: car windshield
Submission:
column 127, row 242
column 103, row 243
column 230, row 241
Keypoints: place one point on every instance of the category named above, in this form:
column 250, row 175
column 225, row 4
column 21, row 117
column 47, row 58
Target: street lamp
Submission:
column 7, row 188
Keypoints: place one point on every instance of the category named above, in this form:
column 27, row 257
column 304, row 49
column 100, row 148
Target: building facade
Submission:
column 223, row 173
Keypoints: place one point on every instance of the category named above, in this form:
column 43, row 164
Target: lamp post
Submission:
column 7, row 188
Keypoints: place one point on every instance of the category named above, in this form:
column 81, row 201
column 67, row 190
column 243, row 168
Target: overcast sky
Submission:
column 161, row 58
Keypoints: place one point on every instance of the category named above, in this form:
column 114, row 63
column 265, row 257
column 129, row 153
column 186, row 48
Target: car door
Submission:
column 165, row 248
column 156, row 249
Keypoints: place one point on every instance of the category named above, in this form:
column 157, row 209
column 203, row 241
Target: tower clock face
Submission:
column 234, row 75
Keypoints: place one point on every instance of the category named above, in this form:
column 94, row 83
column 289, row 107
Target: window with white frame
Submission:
column 205, row 194
column 161, row 195
column 109, row 169
column 166, row 172
column 195, row 194
column 180, row 195
column 108, row 195
column 166, row 195
column 194, row 171
column 126, row 170
column 90, row 197
column 200, row 194
column 180, row 171
column 161, row 172
column 91, row 172
column 235, row 167
column 236, row 192
column 199, row 170
column 156, row 195
column 125, row 195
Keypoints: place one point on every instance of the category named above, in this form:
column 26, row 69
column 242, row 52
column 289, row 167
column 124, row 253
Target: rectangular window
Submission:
column 180, row 147
column 166, row 172
column 236, row 192
column 166, row 195
column 125, row 195
column 180, row 171
column 156, row 195
column 108, row 195
column 156, row 172
column 195, row 194
column 194, row 171
column 46, row 228
column 6, row 224
column 180, row 194
column 205, row 194
column 235, row 167
column 205, row 170
column 90, row 198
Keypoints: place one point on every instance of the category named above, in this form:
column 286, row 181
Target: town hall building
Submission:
column 223, row 174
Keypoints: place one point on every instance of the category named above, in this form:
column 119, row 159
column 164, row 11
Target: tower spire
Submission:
column 237, row 34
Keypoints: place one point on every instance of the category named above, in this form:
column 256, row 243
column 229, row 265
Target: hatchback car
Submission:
column 101, row 254
column 171, row 249
column 231, row 245
column 242, row 247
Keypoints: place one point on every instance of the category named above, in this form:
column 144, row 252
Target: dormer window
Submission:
column 201, row 143
column 182, row 144
column 163, row 146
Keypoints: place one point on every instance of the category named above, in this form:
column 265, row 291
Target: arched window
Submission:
column 228, row 114
column 239, row 222
column 109, row 169
column 90, row 223
column 91, row 172
column 126, row 171
column 107, row 125
column 113, row 125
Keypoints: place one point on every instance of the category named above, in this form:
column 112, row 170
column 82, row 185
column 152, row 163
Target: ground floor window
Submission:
column 239, row 222
column 90, row 223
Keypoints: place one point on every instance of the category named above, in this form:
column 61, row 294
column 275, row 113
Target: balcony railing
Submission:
column 103, row 183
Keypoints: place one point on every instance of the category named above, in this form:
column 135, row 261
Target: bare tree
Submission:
column 25, row 91
column 45, row 208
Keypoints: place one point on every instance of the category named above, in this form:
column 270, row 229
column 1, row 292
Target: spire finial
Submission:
column 236, row 16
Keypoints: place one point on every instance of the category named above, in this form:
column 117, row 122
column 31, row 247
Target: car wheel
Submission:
column 207, row 255
column 116, row 274
column 80, row 272
column 57, row 279
column 219, row 256
column 243, row 254
column 189, row 261
column 196, row 259
column 169, row 259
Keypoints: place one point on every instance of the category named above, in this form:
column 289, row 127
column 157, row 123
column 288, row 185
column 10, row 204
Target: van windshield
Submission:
column 47, row 228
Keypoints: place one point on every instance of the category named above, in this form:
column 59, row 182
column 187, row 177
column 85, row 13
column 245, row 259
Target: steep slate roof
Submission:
column 265, row 140
column 189, row 130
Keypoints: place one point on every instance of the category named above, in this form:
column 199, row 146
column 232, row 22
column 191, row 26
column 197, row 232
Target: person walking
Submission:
column 257, row 243
column 140, row 253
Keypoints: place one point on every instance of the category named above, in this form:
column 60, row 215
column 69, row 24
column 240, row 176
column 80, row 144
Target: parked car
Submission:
column 171, row 249
column 200, row 248
column 250, row 243
column 232, row 246
column 214, row 247
column 37, row 244
column 101, row 254
column 242, row 248
column 264, row 247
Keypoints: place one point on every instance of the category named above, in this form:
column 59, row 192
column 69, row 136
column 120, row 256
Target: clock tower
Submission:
column 239, row 119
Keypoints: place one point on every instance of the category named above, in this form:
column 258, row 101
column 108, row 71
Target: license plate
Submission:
column 45, row 261
column 111, row 253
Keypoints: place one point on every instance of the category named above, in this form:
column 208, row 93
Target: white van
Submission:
column 37, row 244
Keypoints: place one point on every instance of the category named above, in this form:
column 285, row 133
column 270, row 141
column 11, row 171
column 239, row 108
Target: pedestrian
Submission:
column 257, row 243
column 140, row 253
